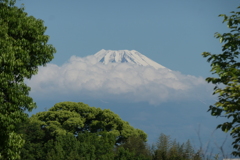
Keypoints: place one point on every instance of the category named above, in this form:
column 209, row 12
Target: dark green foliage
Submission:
column 227, row 84
column 126, row 154
column 72, row 130
column 134, row 148
column 33, row 136
column 167, row 149
column 75, row 131
column 79, row 118
column 64, row 147
column 23, row 47
column 98, row 146
column 87, row 145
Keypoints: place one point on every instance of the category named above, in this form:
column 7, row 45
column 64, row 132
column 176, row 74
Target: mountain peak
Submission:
column 125, row 56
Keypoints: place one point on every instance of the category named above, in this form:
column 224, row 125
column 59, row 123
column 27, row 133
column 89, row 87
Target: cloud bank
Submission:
column 86, row 77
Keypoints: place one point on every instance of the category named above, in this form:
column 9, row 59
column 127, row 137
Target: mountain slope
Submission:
column 125, row 56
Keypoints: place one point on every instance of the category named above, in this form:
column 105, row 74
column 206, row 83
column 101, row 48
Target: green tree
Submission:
column 163, row 146
column 64, row 147
column 167, row 149
column 80, row 118
column 23, row 47
column 188, row 150
column 226, row 66
column 124, row 154
column 34, row 140
column 94, row 133
column 138, row 146
column 96, row 146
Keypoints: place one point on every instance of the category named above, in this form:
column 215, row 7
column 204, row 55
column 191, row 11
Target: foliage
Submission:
column 134, row 148
column 71, row 129
column 168, row 149
column 41, row 144
column 23, row 47
column 87, row 146
column 67, row 146
column 227, row 84
column 126, row 154
column 78, row 118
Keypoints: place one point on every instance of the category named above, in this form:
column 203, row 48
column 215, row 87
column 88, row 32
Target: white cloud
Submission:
column 86, row 77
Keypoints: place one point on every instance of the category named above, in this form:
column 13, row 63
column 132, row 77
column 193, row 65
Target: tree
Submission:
column 227, row 83
column 67, row 146
column 23, row 47
column 168, row 149
column 95, row 146
column 94, row 133
column 163, row 146
column 137, row 147
column 78, row 118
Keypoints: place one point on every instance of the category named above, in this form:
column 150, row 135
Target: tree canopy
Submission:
column 77, row 118
column 23, row 47
column 74, row 130
column 71, row 129
column 226, row 66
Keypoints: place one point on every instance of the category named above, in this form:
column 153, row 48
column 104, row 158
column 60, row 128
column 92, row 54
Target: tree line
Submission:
column 76, row 131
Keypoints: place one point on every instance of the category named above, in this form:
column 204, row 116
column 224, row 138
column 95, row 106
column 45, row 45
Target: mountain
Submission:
column 125, row 56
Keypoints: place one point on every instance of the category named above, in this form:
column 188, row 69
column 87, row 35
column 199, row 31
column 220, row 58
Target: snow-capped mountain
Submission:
column 125, row 56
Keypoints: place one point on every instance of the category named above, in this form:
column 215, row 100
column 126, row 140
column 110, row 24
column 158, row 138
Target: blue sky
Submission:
column 173, row 33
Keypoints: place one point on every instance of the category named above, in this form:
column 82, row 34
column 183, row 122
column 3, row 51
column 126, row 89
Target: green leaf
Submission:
column 21, row 38
column 226, row 68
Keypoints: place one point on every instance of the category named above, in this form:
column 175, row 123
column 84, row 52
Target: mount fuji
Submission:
column 148, row 95
column 125, row 56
